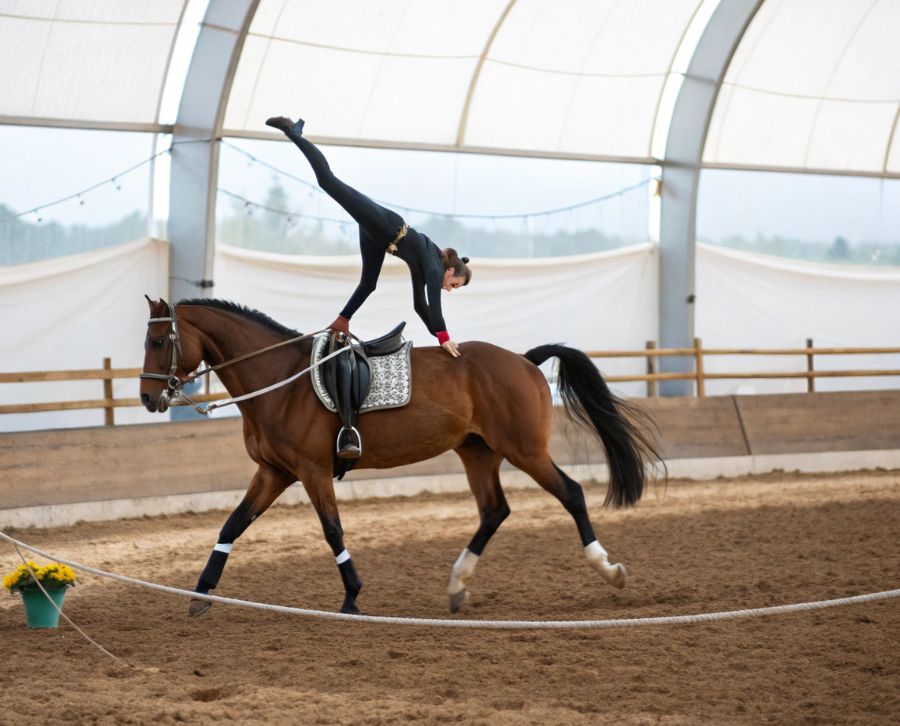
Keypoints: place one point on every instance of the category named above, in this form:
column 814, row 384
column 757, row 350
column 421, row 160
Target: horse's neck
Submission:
column 225, row 336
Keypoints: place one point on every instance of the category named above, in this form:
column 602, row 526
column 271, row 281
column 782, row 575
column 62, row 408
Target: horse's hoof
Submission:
column 349, row 608
column 618, row 576
column 198, row 607
column 457, row 600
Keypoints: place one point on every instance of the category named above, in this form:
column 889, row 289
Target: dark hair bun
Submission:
column 465, row 260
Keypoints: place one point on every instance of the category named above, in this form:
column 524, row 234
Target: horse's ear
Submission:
column 155, row 305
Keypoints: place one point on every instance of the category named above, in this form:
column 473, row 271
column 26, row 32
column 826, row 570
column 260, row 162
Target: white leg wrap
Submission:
column 342, row 558
column 615, row 575
column 222, row 547
column 595, row 551
column 462, row 571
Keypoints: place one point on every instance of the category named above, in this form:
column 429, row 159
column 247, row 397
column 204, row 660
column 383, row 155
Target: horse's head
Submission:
column 169, row 356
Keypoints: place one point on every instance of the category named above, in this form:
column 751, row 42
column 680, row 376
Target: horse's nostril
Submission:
column 145, row 398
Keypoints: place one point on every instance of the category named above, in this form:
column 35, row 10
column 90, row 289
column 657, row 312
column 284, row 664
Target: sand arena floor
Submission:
column 695, row 547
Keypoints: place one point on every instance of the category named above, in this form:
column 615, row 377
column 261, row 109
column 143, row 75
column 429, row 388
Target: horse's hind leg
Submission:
column 265, row 486
column 569, row 492
column 483, row 471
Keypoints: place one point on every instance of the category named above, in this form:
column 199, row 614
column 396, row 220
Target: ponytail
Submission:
column 459, row 265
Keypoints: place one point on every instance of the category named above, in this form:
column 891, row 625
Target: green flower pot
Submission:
column 39, row 613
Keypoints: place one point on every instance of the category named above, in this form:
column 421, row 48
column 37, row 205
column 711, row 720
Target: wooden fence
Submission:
column 106, row 374
column 699, row 375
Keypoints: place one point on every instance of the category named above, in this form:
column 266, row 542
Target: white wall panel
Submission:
column 753, row 301
column 69, row 314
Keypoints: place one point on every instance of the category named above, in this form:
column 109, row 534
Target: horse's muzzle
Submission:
column 159, row 406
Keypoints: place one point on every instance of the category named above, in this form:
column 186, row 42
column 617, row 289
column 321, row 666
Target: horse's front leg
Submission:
column 320, row 489
column 265, row 486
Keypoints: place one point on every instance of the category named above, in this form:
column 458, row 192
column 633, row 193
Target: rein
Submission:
column 174, row 392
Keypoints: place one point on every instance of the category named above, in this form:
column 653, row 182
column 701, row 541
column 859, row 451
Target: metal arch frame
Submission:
column 195, row 166
column 681, row 167
column 476, row 74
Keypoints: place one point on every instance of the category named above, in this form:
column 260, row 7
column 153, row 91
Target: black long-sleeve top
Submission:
column 423, row 257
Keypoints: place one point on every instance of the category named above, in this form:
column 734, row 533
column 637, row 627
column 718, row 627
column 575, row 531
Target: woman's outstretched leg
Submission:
column 380, row 223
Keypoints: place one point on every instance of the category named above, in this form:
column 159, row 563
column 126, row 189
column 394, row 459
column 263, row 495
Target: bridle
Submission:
column 174, row 391
column 174, row 384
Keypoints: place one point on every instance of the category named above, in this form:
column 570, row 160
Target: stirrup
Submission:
column 348, row 450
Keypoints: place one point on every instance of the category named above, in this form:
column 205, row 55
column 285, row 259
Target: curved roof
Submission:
column 85, row 63
column 573, row 77
column 814, row 85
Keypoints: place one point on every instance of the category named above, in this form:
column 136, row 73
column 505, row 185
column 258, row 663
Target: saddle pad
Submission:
column 391, row 385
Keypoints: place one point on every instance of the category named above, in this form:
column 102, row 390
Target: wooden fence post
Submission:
column 810, row 380
column 652, row 386
column 109, row 418
column 698, row 357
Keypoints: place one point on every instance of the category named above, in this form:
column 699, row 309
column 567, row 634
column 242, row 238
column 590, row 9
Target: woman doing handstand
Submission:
column 382, row 230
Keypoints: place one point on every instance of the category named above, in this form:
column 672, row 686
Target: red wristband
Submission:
column 443, row 336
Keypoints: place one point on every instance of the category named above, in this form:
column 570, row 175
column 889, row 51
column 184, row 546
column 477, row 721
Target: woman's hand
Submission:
column 451, row 347
column 341, row 324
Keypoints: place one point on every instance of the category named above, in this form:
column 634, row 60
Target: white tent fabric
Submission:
column 97, row 60
column 579, row 77
column 814, row 84
column 601, row 301
column 63, row 320
column 753, row 301
column 71, row 312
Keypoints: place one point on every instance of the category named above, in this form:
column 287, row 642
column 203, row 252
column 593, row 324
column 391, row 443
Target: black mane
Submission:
column 245, row 312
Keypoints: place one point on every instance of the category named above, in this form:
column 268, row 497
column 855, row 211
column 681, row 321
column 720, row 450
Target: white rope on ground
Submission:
column 487, row 624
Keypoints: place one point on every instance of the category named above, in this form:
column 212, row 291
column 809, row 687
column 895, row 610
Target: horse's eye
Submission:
column 156, row 343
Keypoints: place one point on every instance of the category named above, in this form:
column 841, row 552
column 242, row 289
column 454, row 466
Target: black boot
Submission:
column 286, row 126
column 349, row 442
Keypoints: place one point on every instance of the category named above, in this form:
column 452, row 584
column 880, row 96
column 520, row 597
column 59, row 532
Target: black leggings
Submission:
column 377, row 225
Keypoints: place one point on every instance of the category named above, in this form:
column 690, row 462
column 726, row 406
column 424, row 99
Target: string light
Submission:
column 114, row 180
column 293, row 215
column 492, row 217
column 313, row 188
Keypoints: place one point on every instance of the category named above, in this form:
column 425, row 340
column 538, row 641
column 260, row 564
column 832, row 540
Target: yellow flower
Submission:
column 52, row 574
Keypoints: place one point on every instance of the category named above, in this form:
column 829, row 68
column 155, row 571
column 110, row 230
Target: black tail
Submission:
column 619, row 424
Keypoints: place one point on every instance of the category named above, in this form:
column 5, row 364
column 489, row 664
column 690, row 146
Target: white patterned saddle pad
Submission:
column 391, row 385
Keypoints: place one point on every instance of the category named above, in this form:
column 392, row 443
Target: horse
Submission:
column 488, row 405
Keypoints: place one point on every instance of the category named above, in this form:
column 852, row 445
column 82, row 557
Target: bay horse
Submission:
column 488, row 405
